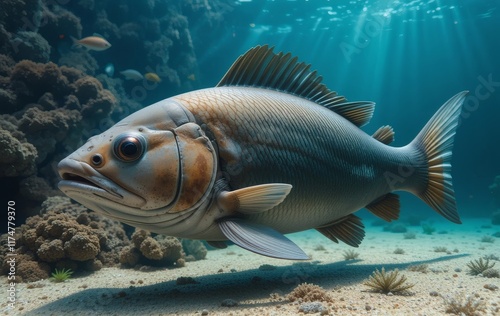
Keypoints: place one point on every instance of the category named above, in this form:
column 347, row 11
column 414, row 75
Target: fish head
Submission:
column 156, row 161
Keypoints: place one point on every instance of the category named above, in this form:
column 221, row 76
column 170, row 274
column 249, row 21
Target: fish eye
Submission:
column 129, row 148
column 97, row 160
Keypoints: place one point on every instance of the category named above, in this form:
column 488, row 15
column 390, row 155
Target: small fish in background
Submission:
column 109, row 69
column 132, row 74
column 192, row 77
column 95, row 42
column 151, row 76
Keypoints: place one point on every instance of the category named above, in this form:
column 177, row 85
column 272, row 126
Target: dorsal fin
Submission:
column 261, row 67
column 385, row 207
column 385, row 134
column 349, row 229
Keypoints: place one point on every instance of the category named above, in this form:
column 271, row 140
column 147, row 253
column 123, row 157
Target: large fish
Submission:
column 269, row 151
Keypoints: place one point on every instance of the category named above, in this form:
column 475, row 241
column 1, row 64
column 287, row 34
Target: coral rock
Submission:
column 17, row 158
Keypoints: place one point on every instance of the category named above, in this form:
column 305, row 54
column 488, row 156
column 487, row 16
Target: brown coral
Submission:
column 307, row 292
column 154, row 251
column 17, row 157
column 67, row 236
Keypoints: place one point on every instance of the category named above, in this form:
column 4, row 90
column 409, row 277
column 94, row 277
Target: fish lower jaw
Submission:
column 84, row 189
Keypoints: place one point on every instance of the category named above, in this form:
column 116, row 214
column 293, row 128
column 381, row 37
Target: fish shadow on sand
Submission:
column 251, row 288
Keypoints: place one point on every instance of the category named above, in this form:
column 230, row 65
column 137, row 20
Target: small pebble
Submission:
column 491, row 287
column 229, row 303
column 368, row 307
column 390, row 294
column 434, row 293
column 204, row 312
column 458, row 270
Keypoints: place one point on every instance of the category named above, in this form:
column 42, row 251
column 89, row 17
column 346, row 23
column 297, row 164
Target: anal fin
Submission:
column 386, row 207
column 348, row 229
column 260, row 239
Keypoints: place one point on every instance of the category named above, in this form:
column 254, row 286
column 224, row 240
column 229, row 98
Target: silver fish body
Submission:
column 273, row 137
column 267, row 152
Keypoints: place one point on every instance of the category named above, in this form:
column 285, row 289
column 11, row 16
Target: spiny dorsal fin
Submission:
column 261, row 67
column 385, row 134
column 348, row 229
column 386, row 207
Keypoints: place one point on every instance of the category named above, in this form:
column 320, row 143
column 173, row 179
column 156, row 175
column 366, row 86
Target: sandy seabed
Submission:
column 240, row 276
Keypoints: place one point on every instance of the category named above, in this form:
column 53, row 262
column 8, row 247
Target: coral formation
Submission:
column 385, row 282
column 194, row 249
column 152, row 251
column 47, row 109
column 306, row 292
column 68, row 236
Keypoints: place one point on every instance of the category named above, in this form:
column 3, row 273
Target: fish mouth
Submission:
column 82, row 182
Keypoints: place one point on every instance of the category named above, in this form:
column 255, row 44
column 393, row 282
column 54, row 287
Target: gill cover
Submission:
column 198, row 166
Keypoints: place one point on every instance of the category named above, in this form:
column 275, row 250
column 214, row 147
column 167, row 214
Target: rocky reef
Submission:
column 160, row 251
column 65, row 235
column 45, row 111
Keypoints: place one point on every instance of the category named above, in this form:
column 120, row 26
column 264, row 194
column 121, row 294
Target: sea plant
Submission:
column 350, row 255
column 410, row 235
column 61, row 275
column 464, row 305
column 491, row 257
column 423, row 268
column 428, row 229
column 440, row 249
column 385, row 282
column 478, row 266
column 488, row 239
column 399, row 251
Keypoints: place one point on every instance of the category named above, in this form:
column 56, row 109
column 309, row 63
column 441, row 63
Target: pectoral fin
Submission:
column 348, row 229
column 254, row 199
column 260, row 239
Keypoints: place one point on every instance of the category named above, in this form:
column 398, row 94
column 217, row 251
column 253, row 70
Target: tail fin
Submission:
column 435, row 141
